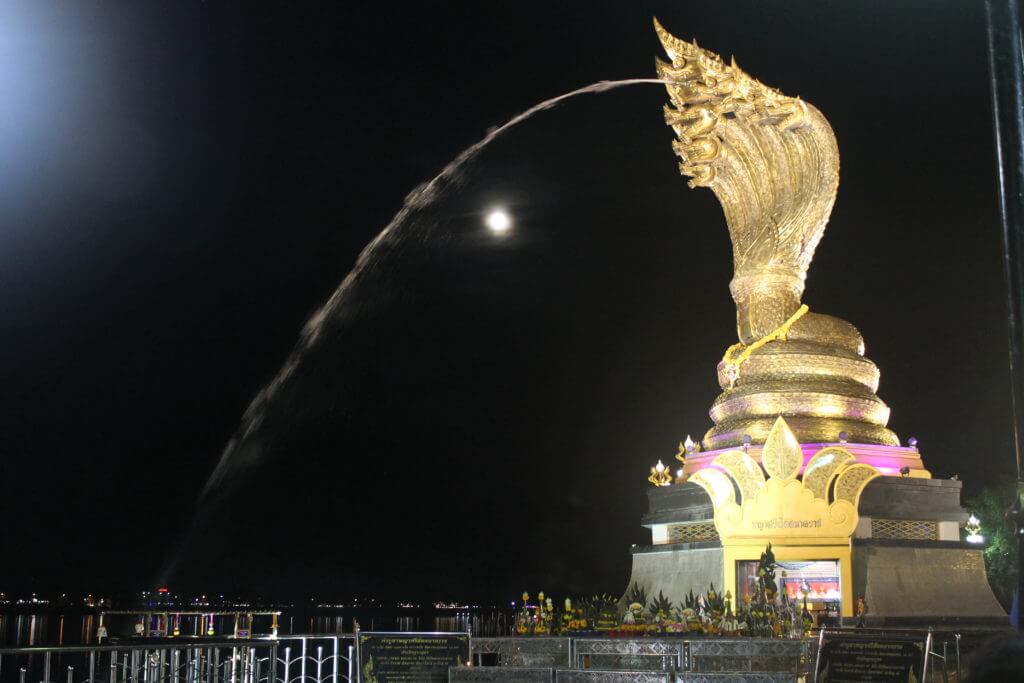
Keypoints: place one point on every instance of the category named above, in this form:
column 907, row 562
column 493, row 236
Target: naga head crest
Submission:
column 773, row 164
column 771, row 160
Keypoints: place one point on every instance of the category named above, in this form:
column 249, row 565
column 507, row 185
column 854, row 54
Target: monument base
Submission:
column 905, row 583
column 905, row 560
column 678, row 568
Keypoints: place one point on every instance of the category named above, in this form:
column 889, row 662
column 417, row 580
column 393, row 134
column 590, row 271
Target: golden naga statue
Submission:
column 773, row 163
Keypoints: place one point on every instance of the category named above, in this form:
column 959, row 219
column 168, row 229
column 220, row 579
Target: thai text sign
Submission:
column 783, row 523
column 406, row 657
column 870, row 658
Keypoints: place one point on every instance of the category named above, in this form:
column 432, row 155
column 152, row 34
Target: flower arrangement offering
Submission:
column 599, row 612
column 578, row 622
column 605, row 613
column 584, row 615
column 565, row 623
column 661, row 609
column 637, row 594
column 547, row 617
column 690, row 616
column 535, row 619
column 526, row 617
column 728, row 625
column 766, row 613
column 633, row 619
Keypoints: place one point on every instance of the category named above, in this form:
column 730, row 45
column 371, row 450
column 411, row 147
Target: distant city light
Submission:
column 498, row 221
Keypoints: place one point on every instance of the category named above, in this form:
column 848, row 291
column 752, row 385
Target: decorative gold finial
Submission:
column 782, row 456
column 660, row 476
column 686, row 448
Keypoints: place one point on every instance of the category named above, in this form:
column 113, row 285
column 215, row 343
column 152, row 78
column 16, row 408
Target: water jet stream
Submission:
column 420, row 198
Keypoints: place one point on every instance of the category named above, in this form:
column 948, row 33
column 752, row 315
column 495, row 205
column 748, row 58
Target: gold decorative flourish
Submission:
column 783, row 506
column 823, row 467
column 718, row 485
column 743, row 469
column 852, row 480
column 685, row 448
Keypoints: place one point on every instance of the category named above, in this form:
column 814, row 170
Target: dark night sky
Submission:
column 183, row 184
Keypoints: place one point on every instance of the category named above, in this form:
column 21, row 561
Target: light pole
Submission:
column 1007, row 78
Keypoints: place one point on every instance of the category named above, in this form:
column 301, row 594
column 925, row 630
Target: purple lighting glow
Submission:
column 888, row 460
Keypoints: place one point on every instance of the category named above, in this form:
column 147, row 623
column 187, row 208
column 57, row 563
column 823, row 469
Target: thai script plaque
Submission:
column 407, row 657
column 861, row 657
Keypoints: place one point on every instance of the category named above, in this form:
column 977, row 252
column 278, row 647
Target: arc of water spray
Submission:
column 419, row 198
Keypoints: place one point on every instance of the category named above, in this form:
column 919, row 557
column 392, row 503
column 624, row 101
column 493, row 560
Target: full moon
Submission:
column 498, row 221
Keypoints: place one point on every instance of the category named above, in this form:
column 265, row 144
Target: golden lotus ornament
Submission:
column 660, row 476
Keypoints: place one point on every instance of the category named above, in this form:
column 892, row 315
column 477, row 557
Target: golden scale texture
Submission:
column 773, row 164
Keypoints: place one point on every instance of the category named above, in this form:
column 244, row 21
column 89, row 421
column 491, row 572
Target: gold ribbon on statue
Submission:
column 738, row 354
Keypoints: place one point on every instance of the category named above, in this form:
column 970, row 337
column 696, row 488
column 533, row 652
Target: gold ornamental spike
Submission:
column 674, row 47
column 782, row 455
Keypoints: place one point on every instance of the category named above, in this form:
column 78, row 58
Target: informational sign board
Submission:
column 871, row 657
column 407, row 657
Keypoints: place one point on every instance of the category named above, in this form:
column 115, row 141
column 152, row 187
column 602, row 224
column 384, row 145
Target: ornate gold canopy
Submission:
column 783, row 505
column 773, row 164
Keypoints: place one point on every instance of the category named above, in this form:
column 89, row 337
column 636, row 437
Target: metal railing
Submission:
column 316, row 658
column 287, row 659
